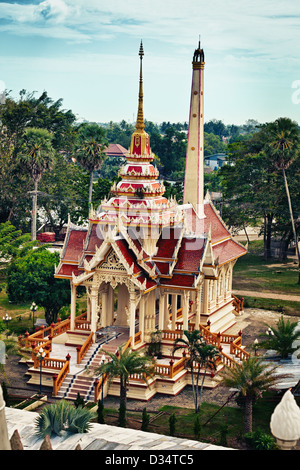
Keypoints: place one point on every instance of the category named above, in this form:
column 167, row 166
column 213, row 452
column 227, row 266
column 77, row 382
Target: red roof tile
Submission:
column 163, row 267
column 74, row 245
column 190, row 254
column 66, row 270
column 227, row 251
column 218, row 230
column 167, row 242
column 116, row 150
column 178, row 280
column 94, row 238
column 128, row 255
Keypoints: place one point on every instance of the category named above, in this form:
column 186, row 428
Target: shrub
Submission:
column 258, row 440
column 197, row 426
column 62, row 416
column 172, row 424
column 100, row 412
column 145, row 420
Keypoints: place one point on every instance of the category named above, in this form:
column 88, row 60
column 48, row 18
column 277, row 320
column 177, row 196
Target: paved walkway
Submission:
column 267, row 295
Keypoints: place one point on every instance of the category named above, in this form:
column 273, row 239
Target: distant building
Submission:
column 215, row 161
column 116, row 150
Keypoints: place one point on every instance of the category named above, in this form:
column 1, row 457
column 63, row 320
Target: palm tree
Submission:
column 284, row 141
column 89, row 150
column 36, row 156
column 207, row 355
column 251, row 377
column 282, row 338
column 124, row 363
column 190, row 343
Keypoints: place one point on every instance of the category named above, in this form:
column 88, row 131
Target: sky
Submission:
column 86, row 52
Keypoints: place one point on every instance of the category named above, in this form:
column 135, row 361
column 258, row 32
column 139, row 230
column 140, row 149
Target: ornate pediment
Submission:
column 111, row 263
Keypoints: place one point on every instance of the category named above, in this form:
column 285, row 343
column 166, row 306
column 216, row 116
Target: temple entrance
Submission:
column 113, row 305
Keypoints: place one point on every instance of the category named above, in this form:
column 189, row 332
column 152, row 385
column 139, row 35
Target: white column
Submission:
column 185, row 309
column 94, row 310
column 174, row 311
column 142, row 317
column 104, row 309
column 198, row 307
column 73, row 306
column 132, row 305
column 110, row 306
column 161, row 313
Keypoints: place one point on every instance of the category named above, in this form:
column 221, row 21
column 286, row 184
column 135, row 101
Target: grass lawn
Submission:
column 253, row 273
column 212, row 420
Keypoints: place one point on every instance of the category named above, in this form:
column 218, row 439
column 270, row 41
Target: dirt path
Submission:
column 267, row 295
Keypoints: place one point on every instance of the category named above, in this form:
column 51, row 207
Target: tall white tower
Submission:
column 194, row 169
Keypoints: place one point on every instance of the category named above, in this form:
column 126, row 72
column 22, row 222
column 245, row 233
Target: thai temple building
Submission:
column 150, row 264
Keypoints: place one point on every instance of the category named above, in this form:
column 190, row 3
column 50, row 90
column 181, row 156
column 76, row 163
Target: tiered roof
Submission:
column 187, row 245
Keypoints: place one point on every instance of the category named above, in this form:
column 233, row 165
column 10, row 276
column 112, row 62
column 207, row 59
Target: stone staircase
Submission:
column 83, row 381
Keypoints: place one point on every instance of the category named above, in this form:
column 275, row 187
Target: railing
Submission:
column 55, row 329
column 82, row 350
column 238, row 303
column 98, row 386
column 59, row 378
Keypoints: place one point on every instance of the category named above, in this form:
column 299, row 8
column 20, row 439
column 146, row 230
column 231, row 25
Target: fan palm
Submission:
column 122, row 364
column 284, row 141
column 90, row 146
column 207, row 355
column 191, row 342
column 251, row 377
column 37, row 156
column 282, row 338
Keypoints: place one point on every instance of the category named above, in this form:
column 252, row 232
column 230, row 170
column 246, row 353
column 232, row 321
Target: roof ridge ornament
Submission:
column 140, row 125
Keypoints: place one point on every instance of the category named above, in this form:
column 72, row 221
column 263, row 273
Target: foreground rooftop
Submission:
column 100, row 437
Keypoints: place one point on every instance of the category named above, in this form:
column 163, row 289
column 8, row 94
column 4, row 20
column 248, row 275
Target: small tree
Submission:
column 145, row 420
column 122, row 364
column 172, row 424
column 89, row 149
column 197, row 426
column 251, row 377
column 189, row 342
column 32, row 278
column 36, row 156
column 79, row 401
column 100, row 412
column 282, row 338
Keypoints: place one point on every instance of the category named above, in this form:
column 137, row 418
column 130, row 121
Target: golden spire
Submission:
column 140, row 116
column 140, row 139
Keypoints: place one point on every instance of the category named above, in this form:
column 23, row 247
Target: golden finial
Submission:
column 140, row 116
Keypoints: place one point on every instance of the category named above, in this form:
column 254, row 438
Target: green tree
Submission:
column 89, row 150
column 206, row 357
column 190, row 342
column 36, row 155
column 31, row 278
column 284, row 141
column 13, row 243
column 145, row 420
column 124, row 363
column 63, row 193
column 282, row 338
column 252, row 378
